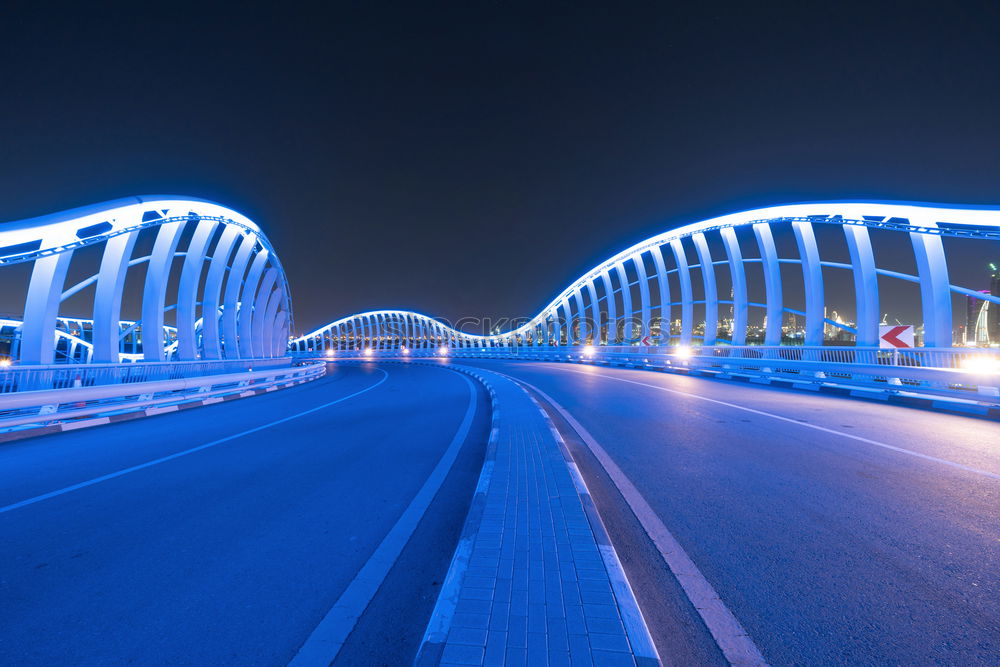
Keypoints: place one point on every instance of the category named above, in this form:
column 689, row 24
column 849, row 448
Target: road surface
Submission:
column 833, row 530
column 233, row 553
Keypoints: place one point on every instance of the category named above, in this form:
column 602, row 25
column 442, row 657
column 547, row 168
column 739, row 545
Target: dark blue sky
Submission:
column 472, row 158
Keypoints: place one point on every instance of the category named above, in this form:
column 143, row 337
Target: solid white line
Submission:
column 734, row 642
column 325, row 642
column 796, row 422
column 447, row 599
column 164, row 459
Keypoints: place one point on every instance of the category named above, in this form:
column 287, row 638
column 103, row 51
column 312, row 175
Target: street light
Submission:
column 982, row 364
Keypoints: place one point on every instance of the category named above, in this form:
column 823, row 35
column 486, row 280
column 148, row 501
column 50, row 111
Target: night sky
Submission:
column 473, row 158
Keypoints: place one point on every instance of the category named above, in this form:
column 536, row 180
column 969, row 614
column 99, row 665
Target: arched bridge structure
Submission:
column 74, row 339
column 702, row 284
column 207, row 267
column 387, row 330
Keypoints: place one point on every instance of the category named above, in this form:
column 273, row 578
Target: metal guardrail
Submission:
column 972, row 373
column 63, row 376
column 41, row 407
column 924, row 357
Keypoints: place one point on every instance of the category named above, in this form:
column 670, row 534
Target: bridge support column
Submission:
column 812, row 276
column 247, row 303
column 866, row 297
column 772, row 283
column 187, row 291
column 738, row 278
column 595, row 309
column 687, row 300
column 935, row 291
column 663, row 284
column 41, row 308
column 210, row 315
column 609, row 303
column 108, row 297
column 155, row 290
column 230, row 310
column 711, row 293
column 644, row 308
column 623, row 329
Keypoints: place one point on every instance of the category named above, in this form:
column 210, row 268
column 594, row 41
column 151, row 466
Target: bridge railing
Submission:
column 923, row 357
column 969, row 373
column 65, row 376
column 69, row 407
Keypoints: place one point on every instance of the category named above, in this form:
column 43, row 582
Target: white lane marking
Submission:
column 815, row 427
column 734, row 642
column 325, row 642
column 447, row 600
column 171, row 457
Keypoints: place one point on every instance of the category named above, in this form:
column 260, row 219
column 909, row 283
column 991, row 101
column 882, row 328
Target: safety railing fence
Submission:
column 969, row 358
column 29, row 409
column 967, row 372
column 924, row 357
column 63, row 376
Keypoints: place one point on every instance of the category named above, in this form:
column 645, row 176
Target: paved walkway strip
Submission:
column 530, row 582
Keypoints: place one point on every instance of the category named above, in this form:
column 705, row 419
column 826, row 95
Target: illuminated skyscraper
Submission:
column 993, row 317
column 975, row 331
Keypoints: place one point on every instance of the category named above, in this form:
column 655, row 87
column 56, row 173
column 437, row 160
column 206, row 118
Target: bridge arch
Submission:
column 237, row 308
column 651, row 292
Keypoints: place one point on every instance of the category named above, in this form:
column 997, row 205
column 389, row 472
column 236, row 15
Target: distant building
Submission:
column 982, row 318
column 975, row 316
column 993, row 316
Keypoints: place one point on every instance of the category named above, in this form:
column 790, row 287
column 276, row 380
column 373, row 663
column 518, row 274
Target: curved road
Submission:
column 225, row 534
column 836, row 531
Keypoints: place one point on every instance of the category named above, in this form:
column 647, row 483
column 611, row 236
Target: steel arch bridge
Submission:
column 74, row 339
column 238, row 307
column 653, row 289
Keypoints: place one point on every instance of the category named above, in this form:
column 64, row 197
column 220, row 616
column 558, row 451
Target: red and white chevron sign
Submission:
column 900, row 335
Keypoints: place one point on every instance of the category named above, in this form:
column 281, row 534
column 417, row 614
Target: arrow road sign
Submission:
column 895, row 335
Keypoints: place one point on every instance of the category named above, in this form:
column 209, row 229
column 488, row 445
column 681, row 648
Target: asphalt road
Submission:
column 836, row 531
column 233, row 553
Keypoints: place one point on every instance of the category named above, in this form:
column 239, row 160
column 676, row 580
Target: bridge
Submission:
column 685, row 457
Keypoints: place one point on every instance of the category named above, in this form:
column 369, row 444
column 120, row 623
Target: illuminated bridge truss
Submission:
column 701, row 283
column 74, row 339
column 232, row 299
